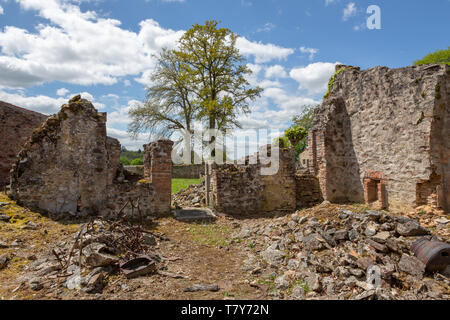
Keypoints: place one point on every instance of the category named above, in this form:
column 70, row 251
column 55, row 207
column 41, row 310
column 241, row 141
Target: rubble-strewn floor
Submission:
column 317, row 253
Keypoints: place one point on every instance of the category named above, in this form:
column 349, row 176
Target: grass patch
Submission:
column 210, row 234
column 179, row 184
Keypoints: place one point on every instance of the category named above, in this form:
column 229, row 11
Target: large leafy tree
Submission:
column 440, row 57
column 218, row 72
column 203, row 79
column 170, row 104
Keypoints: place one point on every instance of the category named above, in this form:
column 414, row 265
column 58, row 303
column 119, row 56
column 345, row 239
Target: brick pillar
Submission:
column 312, row 166
column 158, row 168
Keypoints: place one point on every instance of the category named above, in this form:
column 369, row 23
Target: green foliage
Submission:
column 438, row 91
column 295, row 134
column 332, row 81
column 127, row 157
column 440, row 57
column 179, row 184
column 204, row 79
column 137, row 162
column 125, row 161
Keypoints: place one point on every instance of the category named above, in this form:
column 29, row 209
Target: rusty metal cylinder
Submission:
column 434, row 254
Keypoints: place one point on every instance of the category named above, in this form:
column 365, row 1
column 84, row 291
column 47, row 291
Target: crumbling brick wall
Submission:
column 236, row 189
column 308, row 193
column 189, row 171
column 383, row 135
column 241, row 189
column 69, row 165
column 16, row 126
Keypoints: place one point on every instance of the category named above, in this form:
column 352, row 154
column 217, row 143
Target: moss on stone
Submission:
column 437, row 91
column 333, row 78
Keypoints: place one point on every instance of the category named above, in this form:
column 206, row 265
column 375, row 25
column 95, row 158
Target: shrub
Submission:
column 137, row 162
column 124, row 161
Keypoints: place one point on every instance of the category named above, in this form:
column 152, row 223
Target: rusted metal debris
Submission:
column 138, row 267
column 435, row 254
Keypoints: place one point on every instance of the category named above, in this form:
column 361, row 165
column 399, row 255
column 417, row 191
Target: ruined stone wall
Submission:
column 308, row 193
column 194, row 171
column 383, row 135
column 139, row 170
column 236, row 189
column 158, row 168
column 69, row 165
column 241, row 189
column 16, row 126
column 279, row 190
column 191, row 171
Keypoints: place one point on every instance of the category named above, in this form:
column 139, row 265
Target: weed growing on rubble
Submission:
column 210, row 234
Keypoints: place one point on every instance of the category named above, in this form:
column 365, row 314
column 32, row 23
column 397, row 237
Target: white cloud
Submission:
column 82, row 48
column 276, row 71
column 349, row 11
column 327, row 2
column 41, row 103
column 266, row 28
column 120, row 114
column 310, row 51
column 262, row 52
column 1, row 10
column 77, row 47
column 125, row 139
column 313, row 77
column 62, row 92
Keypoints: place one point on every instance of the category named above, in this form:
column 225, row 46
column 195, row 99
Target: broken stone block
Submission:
column 35, row 284
column 4, row 259
column 411, row 229
column 313, row 242
column 202, row 287
column 4, row 218
column 282, row 283
column 97, row 255
column 412, row 266
column 381, row 237
column 273, row 257
column 298, row 293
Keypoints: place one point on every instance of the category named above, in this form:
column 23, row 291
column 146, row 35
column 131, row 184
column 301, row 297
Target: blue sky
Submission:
column 53, row 49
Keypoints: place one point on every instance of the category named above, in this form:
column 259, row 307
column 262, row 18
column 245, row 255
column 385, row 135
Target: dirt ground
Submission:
column 200, row 253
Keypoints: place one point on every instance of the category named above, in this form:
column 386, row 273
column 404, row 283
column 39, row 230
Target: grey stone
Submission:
column 411, row 229
column 313, row 281
column 412, row 266
column 298, row 293
column 96, row 255
column 341, row 235
column 291, row 225
column 35, row 284
column 357, row 272
column 95, row 283
column 381, row 236
column 202, row 287
column 370, row 231
column 353, row 235
column 377, row 246
column 282, row 283
column 3, row 245
column 273, row 257
column 374, row 215
column 4, row 218
column 313, row 242
column 4, row 259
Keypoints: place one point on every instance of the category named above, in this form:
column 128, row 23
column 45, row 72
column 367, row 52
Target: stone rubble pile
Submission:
column 304, row 258
column 97, row 251
column 193, row 196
